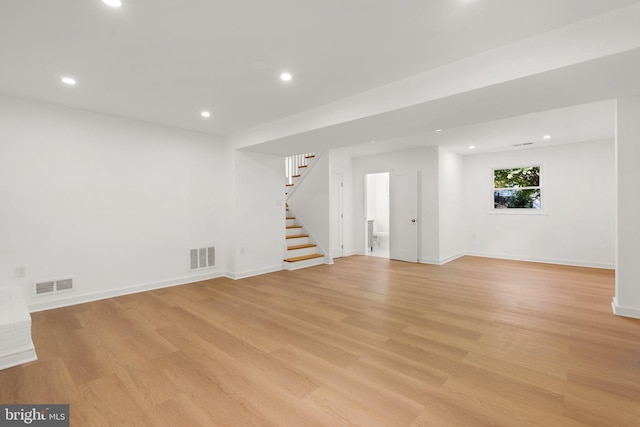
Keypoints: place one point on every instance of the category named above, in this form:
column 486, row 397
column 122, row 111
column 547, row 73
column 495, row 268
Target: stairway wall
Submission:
column 311, row 200
column 256, row 228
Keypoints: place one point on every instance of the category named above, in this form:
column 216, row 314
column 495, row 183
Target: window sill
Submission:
column 517, row 212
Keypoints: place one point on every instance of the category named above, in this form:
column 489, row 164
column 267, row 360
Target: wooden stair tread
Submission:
column 291, row 217
column 302, row 166
column 289, row 227
column 289, row 185
column 303, row 258
column 309, row 157
column 305, row 246
column 295, row 176
column 296, row 236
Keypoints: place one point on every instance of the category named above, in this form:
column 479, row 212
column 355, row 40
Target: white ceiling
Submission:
column 572, row 104
column 585, row 122
column 163, row 61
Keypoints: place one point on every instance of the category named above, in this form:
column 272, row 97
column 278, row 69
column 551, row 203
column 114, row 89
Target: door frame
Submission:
column 337, row 216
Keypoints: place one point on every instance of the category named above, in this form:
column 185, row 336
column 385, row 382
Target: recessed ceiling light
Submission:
column 472, row 147
column 373, row 142
column 546, row 137
column 205, row 114
column 113, row 3
column 438, row 130
column 286, row 77
column 69, row 81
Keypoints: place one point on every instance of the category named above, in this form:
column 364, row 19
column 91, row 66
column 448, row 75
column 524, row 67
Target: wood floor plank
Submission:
column 110, row 398
column 181, row 410
column 333, row 379
column 366, row 341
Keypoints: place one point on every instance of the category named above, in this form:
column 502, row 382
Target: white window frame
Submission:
column 520, row 211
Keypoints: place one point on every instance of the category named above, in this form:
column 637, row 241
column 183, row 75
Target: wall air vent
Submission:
column 202, row 258
column 523, row 144
column 64, row 285
column 45, row 287
column 52, row 286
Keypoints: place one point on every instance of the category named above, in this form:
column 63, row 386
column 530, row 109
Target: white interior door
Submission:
column 403, row 216
column 337, row 216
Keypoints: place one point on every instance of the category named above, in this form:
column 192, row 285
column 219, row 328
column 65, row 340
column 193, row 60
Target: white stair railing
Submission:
column 292, row 165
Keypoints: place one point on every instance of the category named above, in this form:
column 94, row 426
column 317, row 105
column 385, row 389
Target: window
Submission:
column 517, row 188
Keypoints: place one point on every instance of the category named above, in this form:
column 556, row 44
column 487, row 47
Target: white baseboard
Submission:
column 18, row 357
column 574, row 263
column 624, row 311
column 451, row 258
column 441, row 261
column 74, row 298
column 245, row 274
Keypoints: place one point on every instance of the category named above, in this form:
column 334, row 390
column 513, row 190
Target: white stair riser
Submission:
column 301, row 252
column 303, row 264
column 297, row 241
column 294, row 231
column 291, row 222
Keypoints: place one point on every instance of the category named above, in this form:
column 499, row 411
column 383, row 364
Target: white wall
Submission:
column 425, row 162
column 115, row 204
column 341, row 163
column 578, row 199
column 256, row 228
column 627, row 298
column 230, row 200
column 451, row 205
column 310, row 202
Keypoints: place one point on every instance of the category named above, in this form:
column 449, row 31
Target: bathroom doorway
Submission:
column 377, row 214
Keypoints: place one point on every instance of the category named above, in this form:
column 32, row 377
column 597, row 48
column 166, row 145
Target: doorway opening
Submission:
column 377, row 214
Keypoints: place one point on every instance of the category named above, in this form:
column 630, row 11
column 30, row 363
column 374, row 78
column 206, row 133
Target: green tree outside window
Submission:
column 517, row 188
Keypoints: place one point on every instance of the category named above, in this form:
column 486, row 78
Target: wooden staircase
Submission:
column 301, row 251
column 294, row 168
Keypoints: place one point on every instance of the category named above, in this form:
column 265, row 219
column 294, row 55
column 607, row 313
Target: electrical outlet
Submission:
column 242, row 250
column 473, row 236
column 21, row 271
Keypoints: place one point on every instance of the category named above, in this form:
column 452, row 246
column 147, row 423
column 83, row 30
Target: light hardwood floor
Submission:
column 366, row 341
